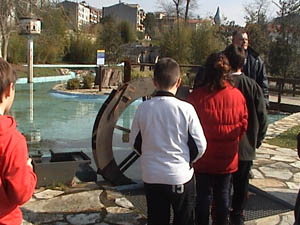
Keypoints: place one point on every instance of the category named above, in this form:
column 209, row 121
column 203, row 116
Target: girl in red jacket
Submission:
column 17, row 179
column 223, row 114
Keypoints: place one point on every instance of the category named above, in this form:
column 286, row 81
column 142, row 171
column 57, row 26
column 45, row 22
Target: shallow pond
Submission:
column 62, row 122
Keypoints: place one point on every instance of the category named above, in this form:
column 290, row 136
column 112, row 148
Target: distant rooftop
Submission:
column 133, row 5
column 127, row 4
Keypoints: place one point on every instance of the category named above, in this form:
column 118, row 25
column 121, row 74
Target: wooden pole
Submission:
column 127, row 70
column 280, row 88
column 279, row 92
column 99, row 71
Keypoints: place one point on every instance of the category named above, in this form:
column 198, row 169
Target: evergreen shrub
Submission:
column 88, row 81
column 73, row 84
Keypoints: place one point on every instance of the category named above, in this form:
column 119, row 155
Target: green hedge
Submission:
column 73, row 84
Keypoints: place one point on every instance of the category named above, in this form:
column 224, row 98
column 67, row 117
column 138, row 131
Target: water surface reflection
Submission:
column 50, row 120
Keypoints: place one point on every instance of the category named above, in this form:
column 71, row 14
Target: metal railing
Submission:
column 279, row 87
column 280, row 82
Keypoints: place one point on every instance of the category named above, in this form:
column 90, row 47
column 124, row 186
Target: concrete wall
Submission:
column 122, row 12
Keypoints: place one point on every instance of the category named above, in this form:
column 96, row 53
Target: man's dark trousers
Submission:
column 240, row 187
column 160, row 198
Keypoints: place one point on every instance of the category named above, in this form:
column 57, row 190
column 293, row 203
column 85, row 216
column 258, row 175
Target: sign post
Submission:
column 100, row 63
column 100, row 57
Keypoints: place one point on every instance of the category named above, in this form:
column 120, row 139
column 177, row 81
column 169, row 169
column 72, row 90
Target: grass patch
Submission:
column 136, row 73
column 287, row 139
column 37, row 72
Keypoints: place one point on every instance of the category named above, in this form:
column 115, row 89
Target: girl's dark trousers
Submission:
column 208, row 185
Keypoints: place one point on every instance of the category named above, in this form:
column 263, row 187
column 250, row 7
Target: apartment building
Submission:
column 81, row 14
column 140, row 18
column 95, row 15
column 126, row 12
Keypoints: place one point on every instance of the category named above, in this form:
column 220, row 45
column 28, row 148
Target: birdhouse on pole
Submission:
column 30, row 27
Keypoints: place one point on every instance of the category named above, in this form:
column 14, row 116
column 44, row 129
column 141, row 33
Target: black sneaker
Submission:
column 236, row 218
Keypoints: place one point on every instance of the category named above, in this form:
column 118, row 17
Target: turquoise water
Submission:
column 276, row 116
column 50, row 120
column 62, row 122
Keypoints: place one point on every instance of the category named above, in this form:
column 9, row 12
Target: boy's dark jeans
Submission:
column 217, row 185
column 160, row 197
column 240, row 186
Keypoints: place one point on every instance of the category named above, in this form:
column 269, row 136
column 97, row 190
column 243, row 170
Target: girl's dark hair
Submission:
column 200, row 78
column 7, row 76
column 236, row 56
column 217, row 70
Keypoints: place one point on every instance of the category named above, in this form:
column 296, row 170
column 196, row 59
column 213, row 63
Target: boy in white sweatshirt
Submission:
column 167, row 133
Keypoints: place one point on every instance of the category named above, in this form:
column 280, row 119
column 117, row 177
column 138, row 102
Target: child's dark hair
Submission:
column 200, row 78
column 217, row 70
column 7, row 76
column 166, row 72
column 236, row 56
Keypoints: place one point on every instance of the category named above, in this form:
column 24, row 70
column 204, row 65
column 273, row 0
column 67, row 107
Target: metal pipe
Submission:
column 30, row 59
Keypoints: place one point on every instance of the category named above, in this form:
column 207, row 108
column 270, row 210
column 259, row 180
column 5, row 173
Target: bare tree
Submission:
column 27, row 7
column 178, row 4
column 187, row 9
column 172, row 7
column 10, row 12
column 178, row 8
column 190, row 4
column 256, row 11
column 6, row 24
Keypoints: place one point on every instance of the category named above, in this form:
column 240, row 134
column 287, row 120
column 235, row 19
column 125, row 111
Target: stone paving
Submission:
column 276, row 171
column 85, row 203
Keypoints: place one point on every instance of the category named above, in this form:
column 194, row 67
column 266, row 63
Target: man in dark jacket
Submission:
column 253, row 66
column 257, row 127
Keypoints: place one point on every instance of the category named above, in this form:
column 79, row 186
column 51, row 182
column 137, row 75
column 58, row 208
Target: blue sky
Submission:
column 232, row 9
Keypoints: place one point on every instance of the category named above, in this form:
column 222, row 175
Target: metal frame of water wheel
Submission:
column 105, row 124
